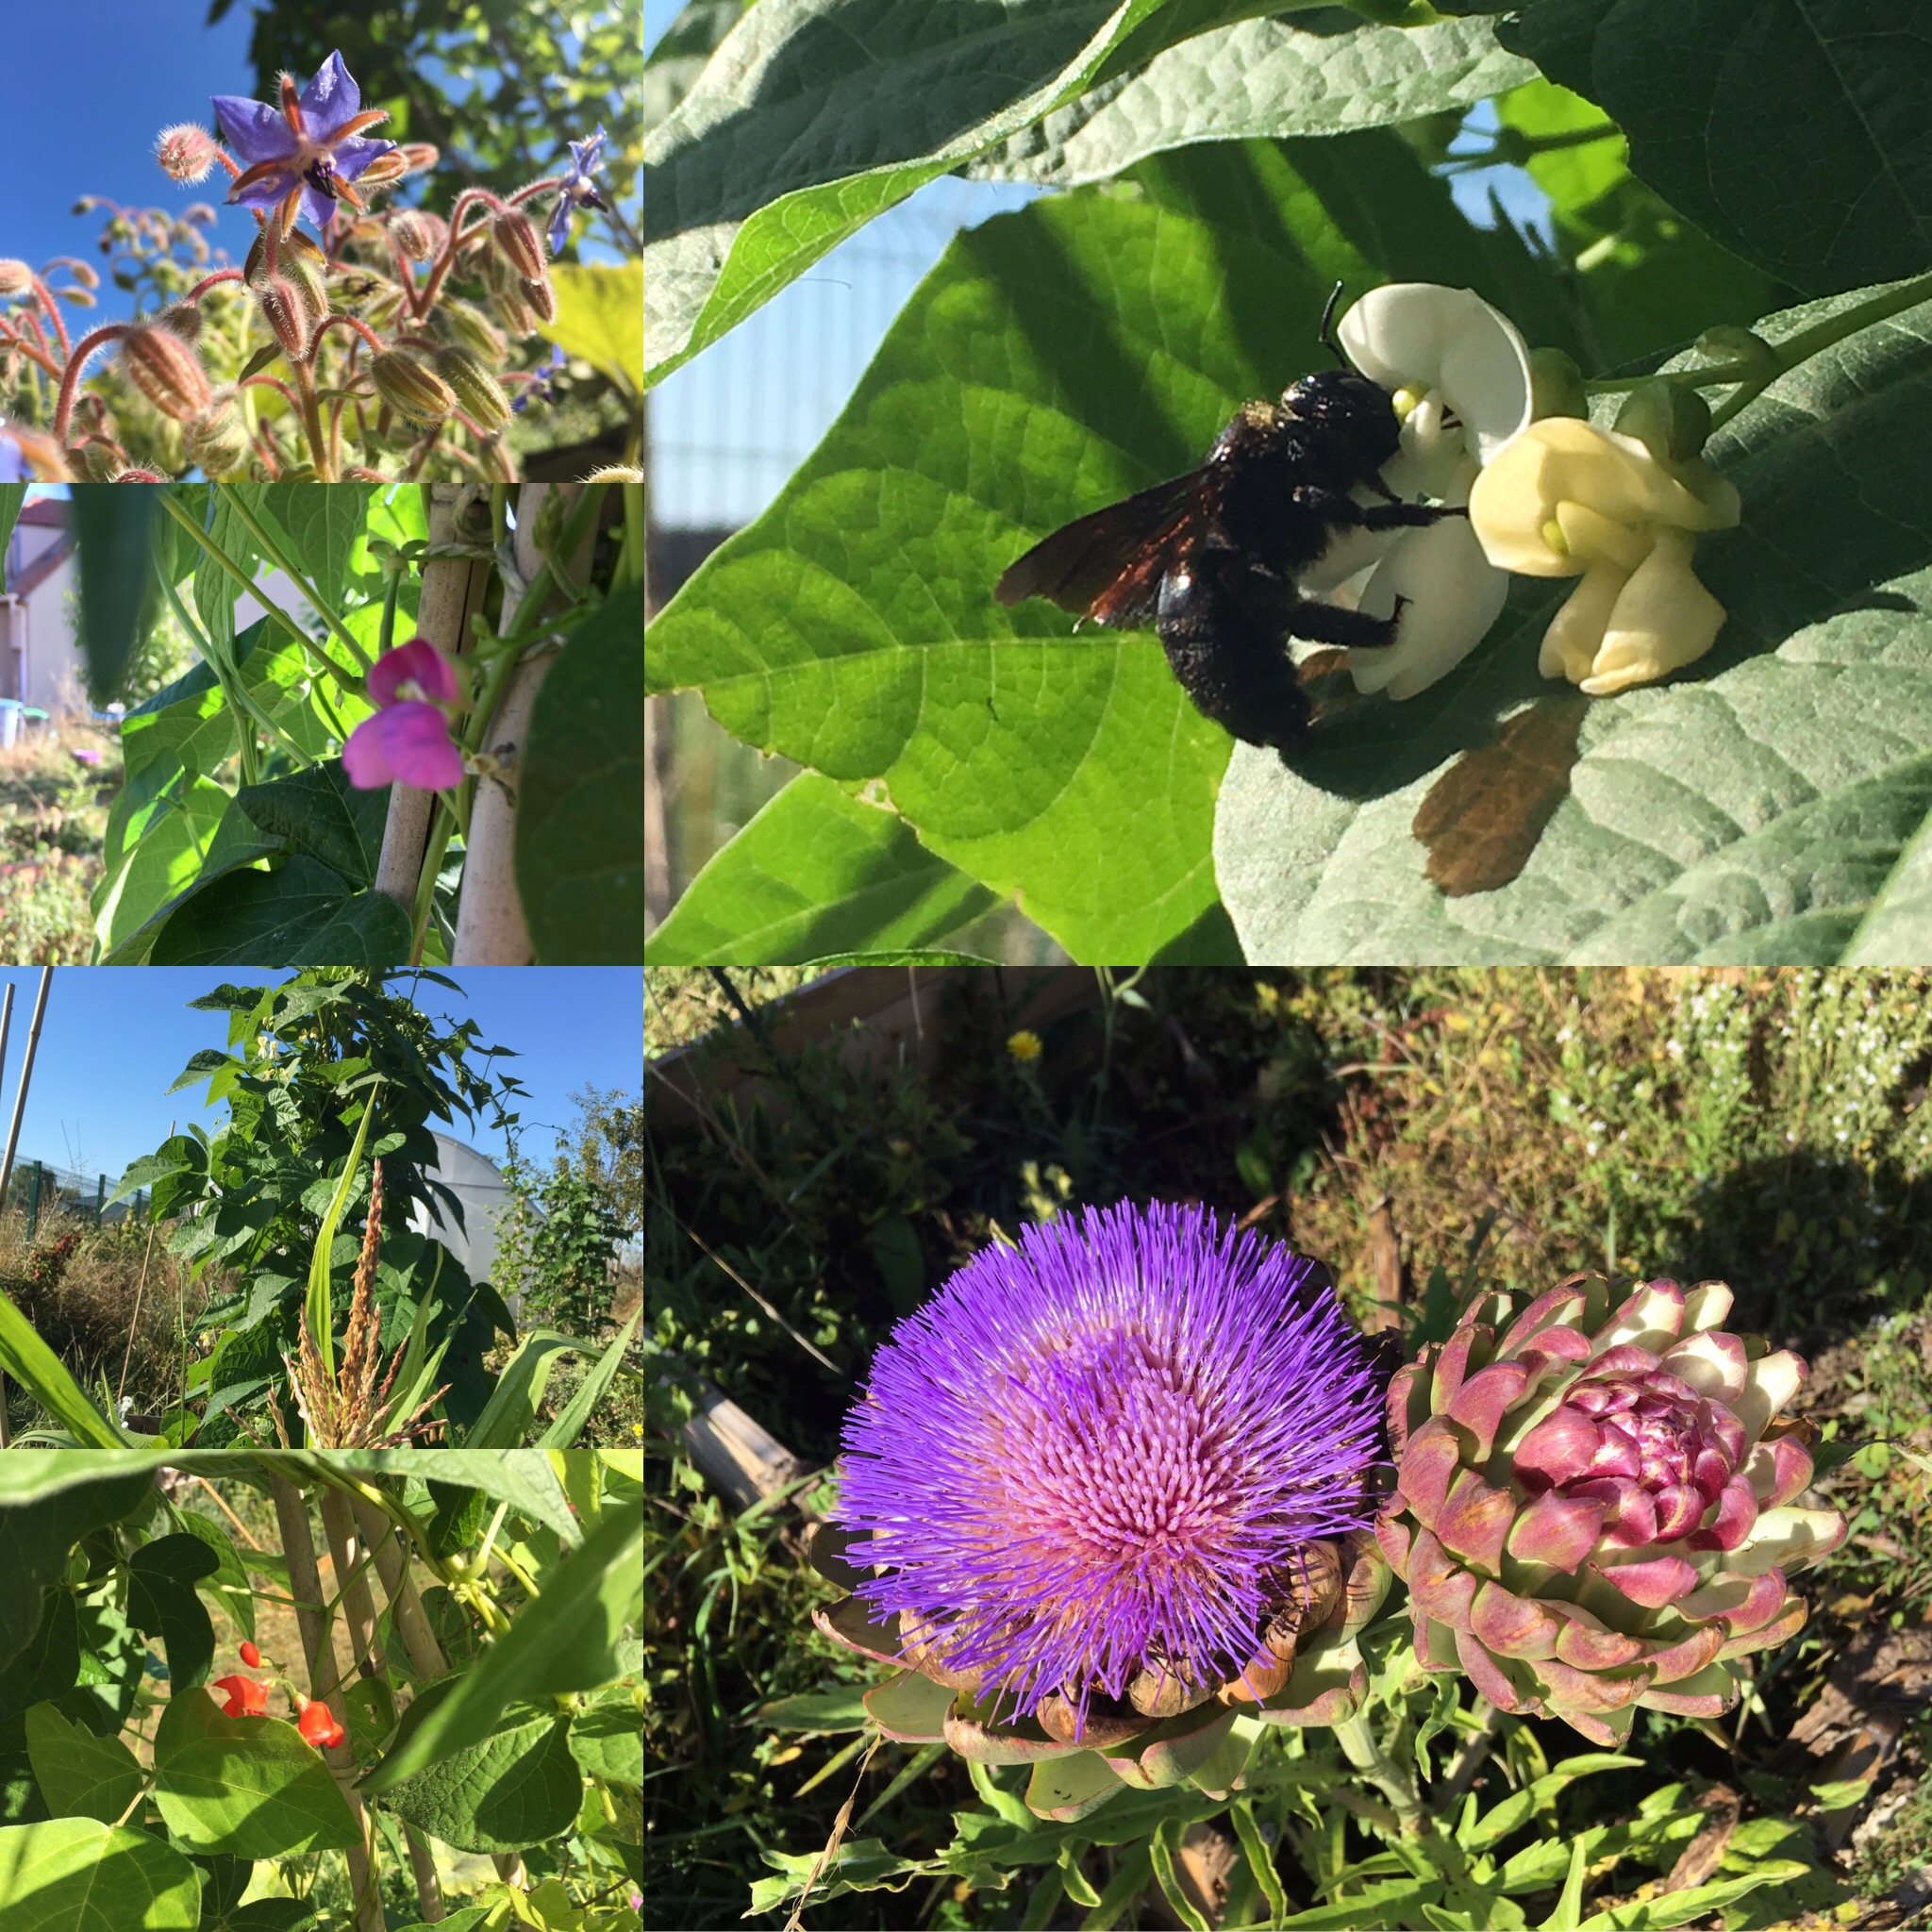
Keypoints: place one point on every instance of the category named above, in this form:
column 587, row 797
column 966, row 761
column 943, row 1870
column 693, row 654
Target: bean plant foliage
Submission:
column 493, row 1710
column 1707, row 165
column 240, row 837
column 324, row 1077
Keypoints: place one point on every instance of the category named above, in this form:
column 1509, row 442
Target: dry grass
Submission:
column 86, row 1310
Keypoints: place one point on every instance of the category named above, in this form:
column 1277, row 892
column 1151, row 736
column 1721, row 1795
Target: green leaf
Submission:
column 1674, row 1908
column 1389, row 1903
column 72, row 1874
column 247, row 1786
column 317, row 811
column 1260, row 1858
column 111, row 528
column 301, row 914
column 600, row 316
column 580, row 794
column 512, row 1406
column 608, row 1741
column 1162, row 1846
column 1752, row 809
column 1721, row 98
column 1518, row 1808
column 517, row 1787
column 323, row 526
column 1898, row 927
column 228, row 1583
column 12, row 495
column 575, row 1414
column 861, row 102
column 1569, row 1907
column 35, row 1366
column 816, row 1710
column 466, row 1920
column 49, row 1667
column 565, row 1640
column 1261, row 78
column 814, row 873
column 80, row 1776
column 161, row 1603
column 162, row 848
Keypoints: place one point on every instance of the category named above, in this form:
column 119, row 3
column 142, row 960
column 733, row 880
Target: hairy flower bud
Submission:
column 420, row 155
column 621, row 474
column 411, row 388
column 286, row 314
column 516, row 239
column 416, row 234
column 166, row 371
column 541, row 297
column 477, row 392
column 383, row 169
column 307, row 269
column 16, row 277
column 101, row 461
column 186, row 152
column 474, row 330
column 183, row 320
column 217, row 439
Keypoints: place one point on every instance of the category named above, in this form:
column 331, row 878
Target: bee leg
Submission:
column 1228, row 650
column 1399, row 516
column 1316, row 623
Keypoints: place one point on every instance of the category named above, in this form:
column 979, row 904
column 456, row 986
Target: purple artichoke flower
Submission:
column 1100, row 1479
column 577, row 189
column 311, row 146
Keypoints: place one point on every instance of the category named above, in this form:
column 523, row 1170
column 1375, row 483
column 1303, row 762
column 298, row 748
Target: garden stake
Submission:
column 452, row 591
column 346, row 1546
column 27, row 1074
column 429, row 1887
column 385, row 1545
column 305, row 1586
column 490, row 919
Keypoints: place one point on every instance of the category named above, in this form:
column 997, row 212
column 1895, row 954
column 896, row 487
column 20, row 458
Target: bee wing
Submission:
column 1110, row 565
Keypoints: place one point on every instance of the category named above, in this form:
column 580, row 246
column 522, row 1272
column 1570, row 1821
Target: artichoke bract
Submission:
column 1106, row 1498
column 1595, row 1505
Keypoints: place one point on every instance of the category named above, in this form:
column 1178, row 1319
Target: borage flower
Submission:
column 246, row 1697
column 1101, row 1478
column 306, row 151
column 577, row 189
column 408, row 740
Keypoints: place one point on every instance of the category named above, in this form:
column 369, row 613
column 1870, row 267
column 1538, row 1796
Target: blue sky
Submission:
column 90, row 84
column 113, row 1041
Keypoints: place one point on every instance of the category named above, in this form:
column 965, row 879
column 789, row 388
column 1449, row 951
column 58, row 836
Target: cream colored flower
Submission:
column 1567, row 499
column 1460, row 376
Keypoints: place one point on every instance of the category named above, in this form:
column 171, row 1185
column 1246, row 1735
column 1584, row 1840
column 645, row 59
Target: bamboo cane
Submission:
column 305, row 1587
column 453, row 589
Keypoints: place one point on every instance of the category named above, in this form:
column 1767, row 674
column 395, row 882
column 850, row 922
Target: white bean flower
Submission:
column 1461, row 376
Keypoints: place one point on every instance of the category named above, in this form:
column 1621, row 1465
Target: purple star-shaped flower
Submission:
column 311, row 147
column 577, row 189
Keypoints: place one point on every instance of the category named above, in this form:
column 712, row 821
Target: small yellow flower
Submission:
column 1025, row 1046
column 1567, row 499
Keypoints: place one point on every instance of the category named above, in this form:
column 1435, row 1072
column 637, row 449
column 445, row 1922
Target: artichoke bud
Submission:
column 411, row 388
column 1670, row 419
column 1556, row 386
column 166, row 371
column 478, row 393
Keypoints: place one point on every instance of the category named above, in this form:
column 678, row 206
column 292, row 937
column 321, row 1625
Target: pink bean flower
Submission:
column 408, row 742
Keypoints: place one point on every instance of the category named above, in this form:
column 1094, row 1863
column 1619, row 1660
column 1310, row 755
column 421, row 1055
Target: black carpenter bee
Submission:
column 1211, row 558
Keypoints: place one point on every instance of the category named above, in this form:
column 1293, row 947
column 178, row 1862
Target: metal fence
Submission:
column 38, row 1190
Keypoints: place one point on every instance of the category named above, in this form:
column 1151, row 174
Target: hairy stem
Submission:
column 1395, row 1782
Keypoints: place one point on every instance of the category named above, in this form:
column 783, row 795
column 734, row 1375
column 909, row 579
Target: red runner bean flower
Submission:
column 246, row 1697
column 318, row 1724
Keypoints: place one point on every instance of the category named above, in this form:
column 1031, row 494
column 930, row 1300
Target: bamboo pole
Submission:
column 453, row 589
column 490, row 915
column 384, row 1540
column 27, row 1074
column 305, row 1587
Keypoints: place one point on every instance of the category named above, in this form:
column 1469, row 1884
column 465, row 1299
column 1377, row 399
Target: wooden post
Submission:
column 27, row 1074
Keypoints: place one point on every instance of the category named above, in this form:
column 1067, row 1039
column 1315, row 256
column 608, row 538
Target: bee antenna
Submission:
column 1327, row 329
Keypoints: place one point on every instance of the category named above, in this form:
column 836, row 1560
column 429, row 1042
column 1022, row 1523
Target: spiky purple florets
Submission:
column 1094, row 1451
